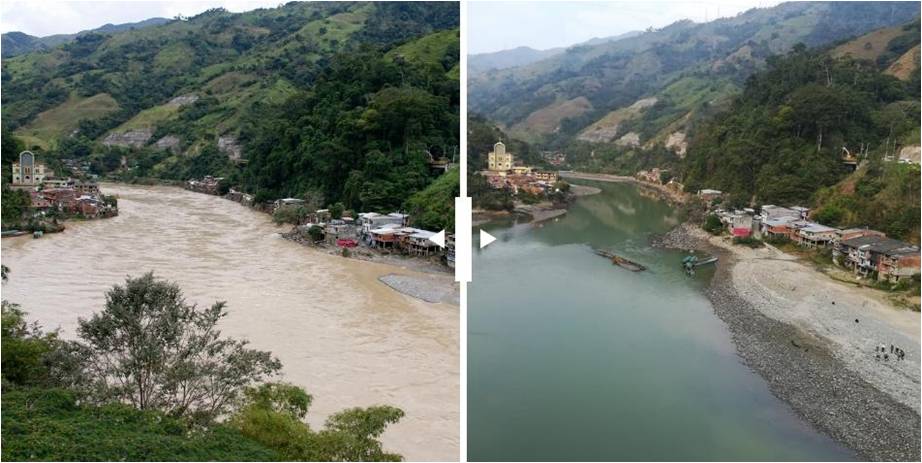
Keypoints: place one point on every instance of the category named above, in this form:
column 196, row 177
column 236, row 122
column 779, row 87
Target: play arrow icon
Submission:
column 438, row 238
column 485, row 239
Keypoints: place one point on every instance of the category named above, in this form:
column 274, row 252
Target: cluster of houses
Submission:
column 554, row 158
column 657, row 176
column 84, row 201
column 503, row 173
column 390, row 232
column 864, row 251
column 48, row 193
column 208, row 185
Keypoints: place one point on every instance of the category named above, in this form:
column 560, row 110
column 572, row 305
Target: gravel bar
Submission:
column 802, row 370
column 425, row 287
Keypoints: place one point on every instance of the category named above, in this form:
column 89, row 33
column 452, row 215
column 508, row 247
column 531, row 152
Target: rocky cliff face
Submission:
column 911, row 153
column 134, row 138
column 227, row 144
column 183, row 100
column 169, row 142
column 677, row 143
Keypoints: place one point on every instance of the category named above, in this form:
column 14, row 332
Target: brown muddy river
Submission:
column 340, row 333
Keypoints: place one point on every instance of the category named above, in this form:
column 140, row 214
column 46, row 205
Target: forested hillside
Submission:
column 783, row 140
column 653, row 89
column 341, row 101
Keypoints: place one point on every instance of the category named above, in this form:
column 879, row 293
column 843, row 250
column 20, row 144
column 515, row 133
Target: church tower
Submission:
column 499, row 159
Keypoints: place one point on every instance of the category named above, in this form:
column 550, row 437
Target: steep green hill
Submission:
column 295, row 100
column 687, row 67
column 782, row 141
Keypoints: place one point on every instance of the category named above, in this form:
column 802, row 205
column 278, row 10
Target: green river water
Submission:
column 572, row 358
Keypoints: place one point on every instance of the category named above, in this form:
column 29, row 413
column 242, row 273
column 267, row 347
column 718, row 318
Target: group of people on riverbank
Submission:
column 895, row 352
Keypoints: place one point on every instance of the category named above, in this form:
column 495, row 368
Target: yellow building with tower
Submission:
column 499, row 160
column 27, row 172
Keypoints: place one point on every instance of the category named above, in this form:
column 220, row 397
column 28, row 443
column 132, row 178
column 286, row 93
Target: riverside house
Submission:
column 849, row 233
column 209, row 185
column 889, row 259
column 414, row 241
column 868, row 253
column 814, row 235
column 372, row 220
column 709, row 195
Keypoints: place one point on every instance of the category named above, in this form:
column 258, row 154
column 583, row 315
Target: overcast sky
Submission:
column 48, row 17
column 492, row 25
column 497, row 26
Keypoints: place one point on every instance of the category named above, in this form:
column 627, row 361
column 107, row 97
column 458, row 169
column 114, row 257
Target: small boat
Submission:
column 689, row 263
column 11, row 233
column 620, row 261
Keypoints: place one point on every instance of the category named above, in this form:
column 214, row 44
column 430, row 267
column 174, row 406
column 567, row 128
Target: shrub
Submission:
column 49, row 425
column 273, row 415
column 713, row 225
column 25, row 348
column 748, row 241
column 336, row 210
column 289, row 214
column 778, row 240
column 315, row 232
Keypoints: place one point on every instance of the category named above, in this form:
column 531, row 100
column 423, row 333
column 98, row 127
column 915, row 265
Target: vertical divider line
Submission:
column 463, row 254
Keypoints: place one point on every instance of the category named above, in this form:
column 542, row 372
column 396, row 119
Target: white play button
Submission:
column 438, row 238
column 485, row 239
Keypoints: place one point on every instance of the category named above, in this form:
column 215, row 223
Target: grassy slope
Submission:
column 868, row 46
column 63, row 119
column 429, row 50
column 548, row 118
column 903, row 67
column 148, row 118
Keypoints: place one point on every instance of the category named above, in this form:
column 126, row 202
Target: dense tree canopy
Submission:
column 784, row 136
column 362, row 135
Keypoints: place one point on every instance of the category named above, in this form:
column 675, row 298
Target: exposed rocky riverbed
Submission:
column 810, row 366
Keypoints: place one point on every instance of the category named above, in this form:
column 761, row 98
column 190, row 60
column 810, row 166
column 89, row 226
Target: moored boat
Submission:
column 620, row 261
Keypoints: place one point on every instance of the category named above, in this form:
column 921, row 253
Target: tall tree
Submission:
column 152, row 349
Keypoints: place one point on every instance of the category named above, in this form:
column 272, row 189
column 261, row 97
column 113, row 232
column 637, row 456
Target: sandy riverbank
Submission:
column 430, row 288
column 665, row 193
column 540, row 212
column 796, row 327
